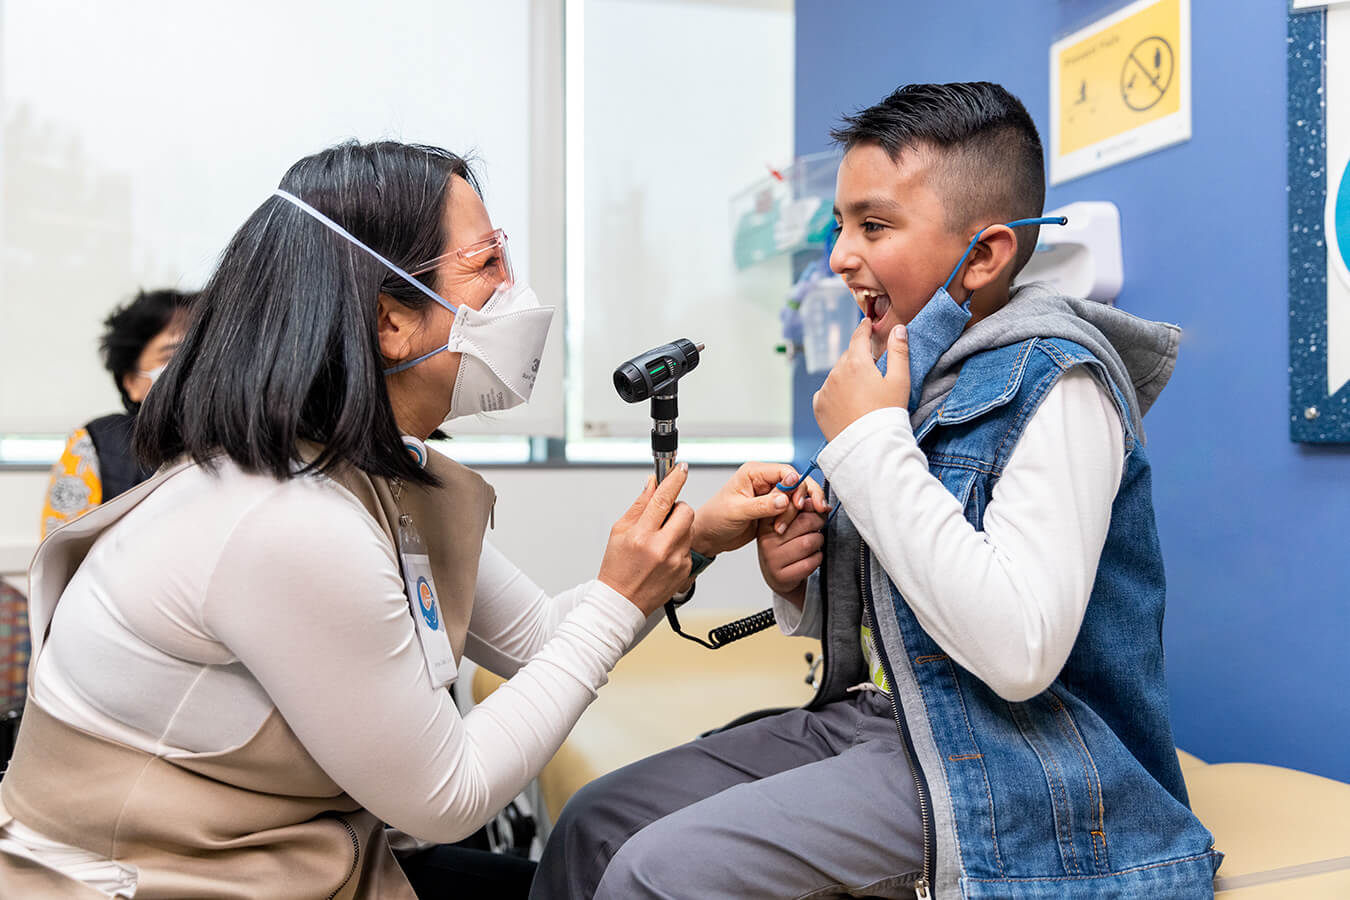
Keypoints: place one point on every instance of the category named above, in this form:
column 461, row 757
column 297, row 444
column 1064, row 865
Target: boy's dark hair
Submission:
column 131, row 326
column 283, row 345
column 987, row 150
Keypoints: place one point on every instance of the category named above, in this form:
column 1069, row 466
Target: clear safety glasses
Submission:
column 487, row 258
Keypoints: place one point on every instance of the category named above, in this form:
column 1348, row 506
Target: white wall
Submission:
column 553, row 523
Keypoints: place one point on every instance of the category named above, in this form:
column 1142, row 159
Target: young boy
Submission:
column 992, row 718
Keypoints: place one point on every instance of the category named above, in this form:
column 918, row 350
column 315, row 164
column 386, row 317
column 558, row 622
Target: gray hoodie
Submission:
column 1138, row 354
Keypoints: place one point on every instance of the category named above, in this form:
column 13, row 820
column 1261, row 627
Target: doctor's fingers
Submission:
column 678, row 529
column 763, row 477
column 663, row 500
column 634, row 512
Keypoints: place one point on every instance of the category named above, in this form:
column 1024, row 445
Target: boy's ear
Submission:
column 395, row 325
column 992, row 256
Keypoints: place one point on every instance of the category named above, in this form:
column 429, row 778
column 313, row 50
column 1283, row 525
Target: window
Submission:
column 139, row 135
column 672, row 109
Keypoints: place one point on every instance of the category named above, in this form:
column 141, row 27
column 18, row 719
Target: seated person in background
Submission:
column 97, row 464
column 992, row 719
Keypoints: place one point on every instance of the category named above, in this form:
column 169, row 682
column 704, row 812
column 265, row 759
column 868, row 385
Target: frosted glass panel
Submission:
column 685, row 104
column 137, row 136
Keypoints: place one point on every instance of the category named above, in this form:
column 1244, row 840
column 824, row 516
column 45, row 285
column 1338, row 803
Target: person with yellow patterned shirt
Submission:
column 97, row 464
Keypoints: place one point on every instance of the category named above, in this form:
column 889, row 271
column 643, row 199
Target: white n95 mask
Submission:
column 500, row 345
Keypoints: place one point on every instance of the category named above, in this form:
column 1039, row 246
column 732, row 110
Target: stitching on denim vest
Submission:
column 1207, row 855
column 933, row 657
column 958, row 461
column 1083, row 752
column 964, row 757
column 1084, row 755
column 1100, row 837
column 1065, row 829
column 1062, row 357
column 1085, row 759
column 984, row 771
column 1054, row 781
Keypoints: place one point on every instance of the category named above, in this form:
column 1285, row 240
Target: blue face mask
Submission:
column 935, row 328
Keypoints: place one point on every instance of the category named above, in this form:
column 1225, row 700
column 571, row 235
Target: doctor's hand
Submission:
column 856, row 387
column 730, row 519
column 647, row 558
column 786, row 559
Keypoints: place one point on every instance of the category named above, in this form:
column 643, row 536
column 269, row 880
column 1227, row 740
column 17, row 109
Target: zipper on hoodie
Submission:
column 356, row 856
column 922, row 886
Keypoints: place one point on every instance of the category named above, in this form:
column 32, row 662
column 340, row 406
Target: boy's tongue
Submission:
column 880, row 306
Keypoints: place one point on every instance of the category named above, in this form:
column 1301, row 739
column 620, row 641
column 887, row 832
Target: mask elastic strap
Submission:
column 338, row 229
column 412, row 362
column 1043, row 220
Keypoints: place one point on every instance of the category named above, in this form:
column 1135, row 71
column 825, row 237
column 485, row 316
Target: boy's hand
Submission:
column 785, row 560
column 729, row 519
column 855, row 386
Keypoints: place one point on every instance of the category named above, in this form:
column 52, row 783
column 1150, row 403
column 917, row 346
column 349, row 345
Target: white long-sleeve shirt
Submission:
column 220, row 597
column 1006, row 602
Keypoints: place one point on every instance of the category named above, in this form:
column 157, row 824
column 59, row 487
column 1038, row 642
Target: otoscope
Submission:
column 656, row 375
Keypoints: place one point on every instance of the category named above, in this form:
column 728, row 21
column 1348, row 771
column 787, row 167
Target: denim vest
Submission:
column 1076, row 792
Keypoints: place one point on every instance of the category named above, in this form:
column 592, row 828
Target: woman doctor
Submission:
column 239, row 665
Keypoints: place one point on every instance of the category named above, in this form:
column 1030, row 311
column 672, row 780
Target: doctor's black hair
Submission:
column 283, row 346
column 133, row 325
column 987, row 150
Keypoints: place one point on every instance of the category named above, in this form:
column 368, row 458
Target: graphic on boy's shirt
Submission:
column 427, row 601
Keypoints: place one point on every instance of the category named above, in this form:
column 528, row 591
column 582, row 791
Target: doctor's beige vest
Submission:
column 259, row 821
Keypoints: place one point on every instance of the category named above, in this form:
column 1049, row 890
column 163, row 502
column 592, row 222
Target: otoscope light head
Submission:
column 657, row 370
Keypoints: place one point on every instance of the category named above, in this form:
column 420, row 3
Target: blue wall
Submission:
column 1256, row 529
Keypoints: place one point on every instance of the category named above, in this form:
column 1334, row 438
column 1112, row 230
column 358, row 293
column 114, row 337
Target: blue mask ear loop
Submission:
column 812, row 466
column 1043, row 220
column 344, row 233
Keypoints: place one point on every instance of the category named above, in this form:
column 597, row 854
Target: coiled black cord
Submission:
column 725, row 634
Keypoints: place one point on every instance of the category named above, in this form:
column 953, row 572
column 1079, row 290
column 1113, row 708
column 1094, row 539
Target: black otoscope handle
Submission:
column 656, row 374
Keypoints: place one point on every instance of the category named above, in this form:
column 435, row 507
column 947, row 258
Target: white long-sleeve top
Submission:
column 1006, row 602
column 221, row 597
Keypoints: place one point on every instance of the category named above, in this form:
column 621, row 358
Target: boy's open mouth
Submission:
column 874, row 303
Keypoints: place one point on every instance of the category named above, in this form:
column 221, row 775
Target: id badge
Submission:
column 426, row 613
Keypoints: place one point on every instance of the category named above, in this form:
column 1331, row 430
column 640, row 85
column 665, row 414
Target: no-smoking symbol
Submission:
column 1147, row 73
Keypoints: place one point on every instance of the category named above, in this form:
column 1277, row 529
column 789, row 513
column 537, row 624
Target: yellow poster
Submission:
column 1120, row 88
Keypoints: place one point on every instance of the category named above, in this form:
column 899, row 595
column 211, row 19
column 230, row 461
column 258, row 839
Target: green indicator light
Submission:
column 658, row 370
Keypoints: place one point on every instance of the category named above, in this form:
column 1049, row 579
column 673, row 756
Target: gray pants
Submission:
column 797, row 805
